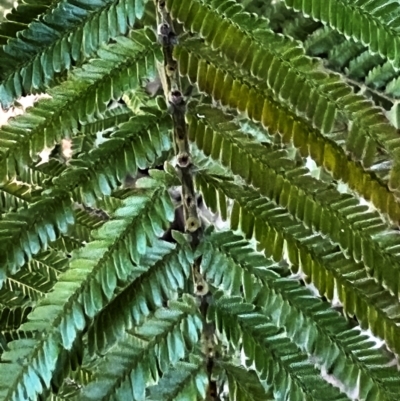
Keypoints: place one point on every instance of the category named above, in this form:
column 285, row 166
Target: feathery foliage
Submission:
column 206, row 203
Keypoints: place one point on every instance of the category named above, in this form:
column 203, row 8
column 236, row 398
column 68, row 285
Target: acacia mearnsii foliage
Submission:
column 203, row 201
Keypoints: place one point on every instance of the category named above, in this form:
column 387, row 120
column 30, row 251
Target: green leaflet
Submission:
column 131, row 360
column 120, row 321
column 68, row 105
column 185, row 381
column 235, row 92
column 294, row 374
column 311, row 324
column 88, row 188
column 140, row 297
column 244, row 384
column 17, row 245
column 67, row 34
column 15, row 195
column 375, row 22
column 326, row 266
column 273, row 59
column 54, row 314
column 312, row 201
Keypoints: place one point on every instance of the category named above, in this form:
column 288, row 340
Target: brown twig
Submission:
column 177, row 108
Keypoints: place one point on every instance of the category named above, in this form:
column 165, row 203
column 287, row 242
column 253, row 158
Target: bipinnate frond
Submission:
column 26, row 232
column 80, row 233
column 320, row 260
column 157, row 279
column 31, row 283
column 363, row 234
column 374, row 24
column 162, row 340
column 238, row 94
column 342, row 54
column 295, row 80
column 277, row 360
column 186, row 381
column 311, row 324
column 204, row 205
column 119, row 68
column 93, row 175
column 138, row 143
column 244, row 384
column 83, row 291
column 359, row 66
column 322, row 40
column 106, row 121
column 67, row 34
